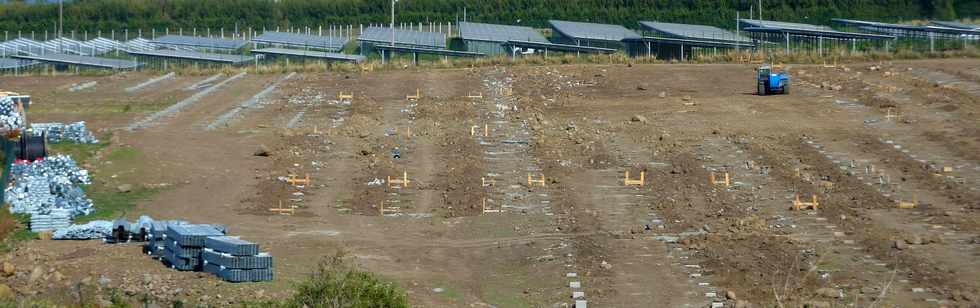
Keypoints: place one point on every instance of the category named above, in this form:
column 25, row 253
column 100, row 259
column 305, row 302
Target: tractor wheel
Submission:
column 761, row 90
column 786, row 89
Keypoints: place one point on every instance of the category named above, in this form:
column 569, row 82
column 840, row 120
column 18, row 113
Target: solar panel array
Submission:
column 783, row 25
column 81, row 60
column 498, row 33
column 331, row 43
column 192, row 55
column 404, row 37
column 693, row 31
column 957, row 25
column 197, row 41
column 10, row 63
column 93, row 47
column 593, row 31
column 311, row 54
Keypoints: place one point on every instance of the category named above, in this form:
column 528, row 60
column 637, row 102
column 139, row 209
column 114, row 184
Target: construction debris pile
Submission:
column 11, row 117
column 50, row 190
column 61, row 132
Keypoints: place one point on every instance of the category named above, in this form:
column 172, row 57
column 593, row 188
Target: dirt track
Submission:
column 884, row 136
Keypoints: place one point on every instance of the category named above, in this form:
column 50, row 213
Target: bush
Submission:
column 338, row 283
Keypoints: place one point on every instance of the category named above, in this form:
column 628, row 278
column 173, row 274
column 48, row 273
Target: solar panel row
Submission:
column 404, row 37
column 311, row 54
column 197, row 41
column 498, row 33
column 593, row 31
column 693, row 31
column 81, row 60
column 193, row 55
column 331, row 43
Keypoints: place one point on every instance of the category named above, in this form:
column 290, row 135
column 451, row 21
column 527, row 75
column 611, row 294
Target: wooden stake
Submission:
column 628, row 182
column 531, row 182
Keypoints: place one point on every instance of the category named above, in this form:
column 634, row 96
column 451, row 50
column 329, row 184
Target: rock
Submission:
column 86, row 281
column 742, row 304
column 686, row 98
column 829, row 292
column 8, row 269
column 263, row 151
column 825, row 85
column 605, row 265
column 837, row 88
column 900, row 245
column 36, row 274
column 730, row 295
column 104, row 281
column 914, row 240
column 662, row 94
column 57, row 276
column 6, row 292
column 125, row 188
column 638, row 118
column 643, row 87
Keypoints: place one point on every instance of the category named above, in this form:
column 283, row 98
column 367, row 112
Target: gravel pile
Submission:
column 61, row 132
column 44, row 185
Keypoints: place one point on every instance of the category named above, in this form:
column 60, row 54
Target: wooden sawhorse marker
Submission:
column 800, row 205
column 488, row 211
column 908, row 205
column 531, row 181
column 631, row 182
column 727, row 181
column 343, row 96
column 417, row 96
column 283, row 211
column 486, row 130
column 478, row 95
column 395, row 182
column 296, row 181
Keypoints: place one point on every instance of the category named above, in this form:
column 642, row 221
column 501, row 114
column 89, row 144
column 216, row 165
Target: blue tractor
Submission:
column 772, row 83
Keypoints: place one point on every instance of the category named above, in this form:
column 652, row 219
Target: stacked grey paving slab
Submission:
column 183, row 245
column 236, row 260
column 10, row 117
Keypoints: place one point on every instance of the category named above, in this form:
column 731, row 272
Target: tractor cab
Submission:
column 769, row 82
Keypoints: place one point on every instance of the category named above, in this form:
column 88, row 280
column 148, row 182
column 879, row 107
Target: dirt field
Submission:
column 471, row 230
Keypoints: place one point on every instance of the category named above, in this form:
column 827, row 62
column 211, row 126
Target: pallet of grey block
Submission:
column 231, row 245
column 179, row 263
column 239, row 275
column 182, row 251
column 192, row 235
column 257, row 261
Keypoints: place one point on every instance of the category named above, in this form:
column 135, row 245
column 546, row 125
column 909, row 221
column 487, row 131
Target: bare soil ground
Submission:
column 470, row 229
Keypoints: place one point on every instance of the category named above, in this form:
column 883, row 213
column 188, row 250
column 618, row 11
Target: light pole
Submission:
column 61, row 24
column 393, row 22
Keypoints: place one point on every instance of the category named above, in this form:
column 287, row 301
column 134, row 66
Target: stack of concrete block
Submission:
column 183, row 245
column 96, row 229
column 236, row 260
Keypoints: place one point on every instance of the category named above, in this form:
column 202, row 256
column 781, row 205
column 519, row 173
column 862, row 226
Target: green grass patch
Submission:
column 79, row 152
column 13, row 229
column 111, row 203
column 124, row 154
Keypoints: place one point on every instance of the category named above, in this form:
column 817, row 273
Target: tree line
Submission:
column 93, row 15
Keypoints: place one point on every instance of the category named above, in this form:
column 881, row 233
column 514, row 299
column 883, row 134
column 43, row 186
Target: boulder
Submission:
column 8, row 269
column 638, row 118
column 125, row 188
column 900, row 245
column 261, row 151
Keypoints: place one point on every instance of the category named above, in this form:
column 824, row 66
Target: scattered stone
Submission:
column 686, row 98
column 36, row 274
column 914, row 240
column 643, row 87
column 104, row 281
column 742, row 304
column 638, row 118
column 605, row 265
column 57, row 276
column 9, row 269
column 817, row 304
column 900, row 245
column 125, row 188
column 261, row 151
column 730, row 295
column 662, row 94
